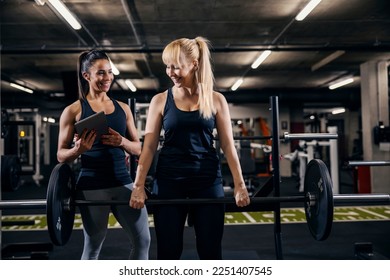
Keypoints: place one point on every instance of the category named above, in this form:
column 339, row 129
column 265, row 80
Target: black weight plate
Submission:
column 319, row 184
column 11, row 169
column 61, row 189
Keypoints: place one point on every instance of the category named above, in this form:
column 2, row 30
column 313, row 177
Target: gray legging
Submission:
column 95, row 221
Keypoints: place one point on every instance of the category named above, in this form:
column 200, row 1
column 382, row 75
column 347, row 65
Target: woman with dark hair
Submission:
column 188, row 165
column 103, row 174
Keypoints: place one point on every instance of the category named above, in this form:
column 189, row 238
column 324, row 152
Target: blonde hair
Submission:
column 195, row 49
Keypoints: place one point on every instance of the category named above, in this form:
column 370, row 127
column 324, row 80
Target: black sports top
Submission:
column 104, row 166
column 188, row 150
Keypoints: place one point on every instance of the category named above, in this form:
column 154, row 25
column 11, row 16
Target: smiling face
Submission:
column 181, row 72
column 99, row 76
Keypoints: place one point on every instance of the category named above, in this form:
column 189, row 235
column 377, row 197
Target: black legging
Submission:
column 207, row 219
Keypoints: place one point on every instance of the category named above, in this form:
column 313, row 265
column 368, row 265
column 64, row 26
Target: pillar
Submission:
column 375, row 108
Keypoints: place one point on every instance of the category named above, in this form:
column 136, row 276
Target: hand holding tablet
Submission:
column 97, row 121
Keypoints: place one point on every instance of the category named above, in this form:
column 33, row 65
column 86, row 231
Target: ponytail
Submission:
column 82, row 83
column 205, row 78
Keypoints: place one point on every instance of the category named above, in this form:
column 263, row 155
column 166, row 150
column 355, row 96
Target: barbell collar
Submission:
column 309, row 136
column 369, row 163
column 311, row 199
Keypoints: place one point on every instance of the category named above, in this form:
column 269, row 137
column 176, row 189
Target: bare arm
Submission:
column 65, row 152
column 151, row 139
column 131, row 143
column 225, row 135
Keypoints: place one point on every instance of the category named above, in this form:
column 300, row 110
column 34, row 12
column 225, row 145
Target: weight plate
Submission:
column 60, row 190
column 318, row 184
column 11, row 170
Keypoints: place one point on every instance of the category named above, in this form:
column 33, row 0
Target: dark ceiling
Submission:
column 40, row 50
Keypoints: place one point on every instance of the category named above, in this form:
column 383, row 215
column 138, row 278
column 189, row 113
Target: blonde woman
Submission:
column 188, row 165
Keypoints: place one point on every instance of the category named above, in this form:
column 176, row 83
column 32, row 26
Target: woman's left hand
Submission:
column 138, row 197
column 113, row 138
column 241, row 196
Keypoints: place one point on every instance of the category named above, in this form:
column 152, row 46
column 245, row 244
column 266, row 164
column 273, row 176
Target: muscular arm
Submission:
column 65, row 152
column 131, row 143
column 225, row 135
column 152, row 136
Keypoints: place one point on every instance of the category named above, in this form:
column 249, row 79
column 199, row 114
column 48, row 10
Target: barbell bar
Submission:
column 292, row 136
column 369, row 163
column 318, row 201
column 339, row 199
column 23, row 204
column 309, row 136
column 362, row 198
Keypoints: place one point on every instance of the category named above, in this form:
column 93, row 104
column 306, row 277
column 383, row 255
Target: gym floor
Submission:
column 247, row 236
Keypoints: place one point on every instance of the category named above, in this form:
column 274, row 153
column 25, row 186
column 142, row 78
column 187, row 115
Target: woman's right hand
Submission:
column 241, row 195
column 84, row 141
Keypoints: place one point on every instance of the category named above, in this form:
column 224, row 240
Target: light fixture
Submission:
column 49, row 119
column 130, row 85
column 57, row 94
column 21, row 88
column 338, row 111
column 260, row 59
column 115, row 70
column 341, row 83
column 65, row 13
column 40, row 2
column 327, row 60
column 308, row 8
column 237, row 84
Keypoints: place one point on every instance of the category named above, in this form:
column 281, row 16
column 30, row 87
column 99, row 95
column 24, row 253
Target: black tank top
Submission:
column 104, row 166
column 188, row 150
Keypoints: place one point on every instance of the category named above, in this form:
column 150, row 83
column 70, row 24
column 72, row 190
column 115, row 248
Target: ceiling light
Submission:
column 65, row 13
column 130, row 85
column 115, row 70
column 57, row 94
column 40, row 2
column 338, row 111
column 237, row 84
column 327, row 60
column 21, row 88
column 341, row 83
column 261, row 59
column 308, row 8
column 49, row 119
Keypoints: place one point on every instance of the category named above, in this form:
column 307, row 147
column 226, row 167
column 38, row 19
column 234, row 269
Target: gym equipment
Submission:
column 369, row 163
column 291, row 136
column 318, row 201
column 11, row 170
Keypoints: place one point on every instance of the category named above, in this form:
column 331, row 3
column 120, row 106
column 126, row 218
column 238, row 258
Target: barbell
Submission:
column 318, row 201
column 369, row 163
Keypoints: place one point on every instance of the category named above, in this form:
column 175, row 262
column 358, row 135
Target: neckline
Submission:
column 103, row 110
column 177, row 108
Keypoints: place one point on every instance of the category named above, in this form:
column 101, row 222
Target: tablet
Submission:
column 96, row 121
